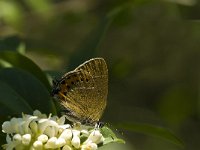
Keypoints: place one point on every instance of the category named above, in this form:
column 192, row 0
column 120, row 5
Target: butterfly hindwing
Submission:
column 83, row 92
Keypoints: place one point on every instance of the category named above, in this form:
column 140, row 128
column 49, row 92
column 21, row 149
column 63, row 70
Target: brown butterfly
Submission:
column 83, row 91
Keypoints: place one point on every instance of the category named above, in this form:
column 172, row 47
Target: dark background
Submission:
column 152, row 49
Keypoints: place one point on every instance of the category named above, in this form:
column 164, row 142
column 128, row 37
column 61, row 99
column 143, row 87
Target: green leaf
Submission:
column 110, row 136
column 17, row 60
column 182, row 96
column 10, row 43
column 11, row 102
column 89, row 47
column 25, row 88
column 152, row 130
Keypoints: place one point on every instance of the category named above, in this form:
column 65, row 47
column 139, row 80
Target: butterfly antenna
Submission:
column 99, row 124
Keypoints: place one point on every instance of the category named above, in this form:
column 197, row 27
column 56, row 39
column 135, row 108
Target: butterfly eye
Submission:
column 55, row 91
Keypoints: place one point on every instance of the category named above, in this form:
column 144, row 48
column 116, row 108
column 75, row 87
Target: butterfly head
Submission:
column 56, row 87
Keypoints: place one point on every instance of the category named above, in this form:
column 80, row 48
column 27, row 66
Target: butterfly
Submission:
column 83, row 92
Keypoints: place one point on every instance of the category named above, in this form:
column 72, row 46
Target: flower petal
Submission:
column 6, row 127
column 66, row 134
column 95, row 136
column 76, row 142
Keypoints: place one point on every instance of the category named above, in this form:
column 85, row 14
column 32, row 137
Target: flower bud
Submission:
column 26, row 139
column 60, row 142
column 66, row 147
column 34, row 127
column 51, row 143
column 17, row 137
column 43, row 138
column 38, row 145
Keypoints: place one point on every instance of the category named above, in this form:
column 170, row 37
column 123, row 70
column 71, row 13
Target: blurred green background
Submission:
column 152, row 48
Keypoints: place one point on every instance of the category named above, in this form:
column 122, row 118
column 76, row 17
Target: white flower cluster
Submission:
column 39, row 132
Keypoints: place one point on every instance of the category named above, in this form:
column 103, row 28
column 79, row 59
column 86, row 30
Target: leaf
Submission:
column 152, row 130
column 25, row 87
column 20, row 61
column 11, row 102
column 110, row 136
column 88, row 47
column 10, row 43
column 181, row 96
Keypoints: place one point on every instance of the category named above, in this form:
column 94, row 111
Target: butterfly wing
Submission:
column 84, row 91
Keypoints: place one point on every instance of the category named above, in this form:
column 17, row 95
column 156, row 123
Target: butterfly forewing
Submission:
column 83, row 92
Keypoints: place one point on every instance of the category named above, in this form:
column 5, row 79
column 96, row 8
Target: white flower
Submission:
column 89, row 146
column 95, row 137
column 39, row 132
